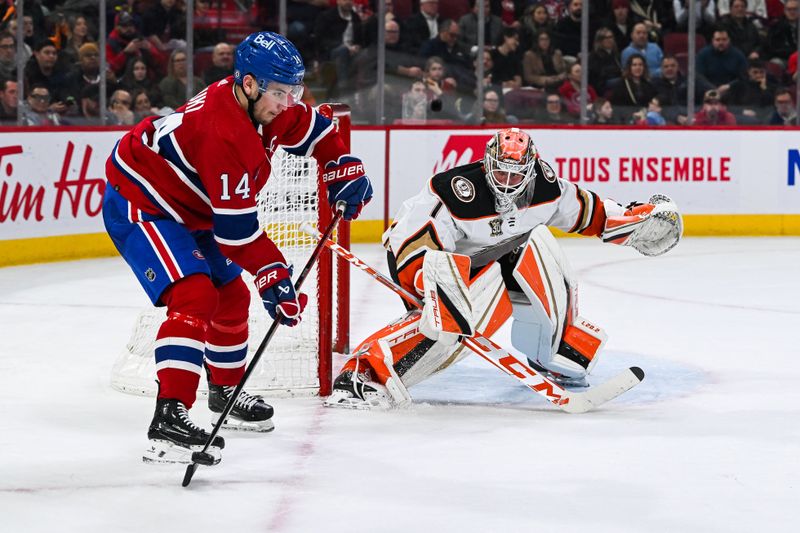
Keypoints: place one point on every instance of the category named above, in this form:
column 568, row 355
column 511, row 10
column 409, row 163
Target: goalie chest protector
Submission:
column 466, row 195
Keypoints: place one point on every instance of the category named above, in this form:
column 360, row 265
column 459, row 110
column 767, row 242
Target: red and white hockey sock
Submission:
column 179, row 357
column 226, row 341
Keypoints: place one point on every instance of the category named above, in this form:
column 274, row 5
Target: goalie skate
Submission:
column 249, row 413
column 356, row 391
column 174, row 437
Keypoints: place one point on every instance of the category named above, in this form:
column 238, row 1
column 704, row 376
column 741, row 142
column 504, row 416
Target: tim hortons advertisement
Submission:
column 704, row 171
column 52, row 182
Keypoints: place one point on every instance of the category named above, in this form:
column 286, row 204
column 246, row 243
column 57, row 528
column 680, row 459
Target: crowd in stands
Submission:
column 746, row 59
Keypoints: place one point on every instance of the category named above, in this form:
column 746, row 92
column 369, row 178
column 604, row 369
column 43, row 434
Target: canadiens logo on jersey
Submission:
column 496, row 225
column 198, row 254
column 150, row 274
column 463, row 189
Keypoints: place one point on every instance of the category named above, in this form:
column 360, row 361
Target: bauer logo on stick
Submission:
column 463, row 189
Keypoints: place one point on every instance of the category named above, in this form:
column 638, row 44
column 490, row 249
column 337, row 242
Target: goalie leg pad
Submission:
column 447, row 311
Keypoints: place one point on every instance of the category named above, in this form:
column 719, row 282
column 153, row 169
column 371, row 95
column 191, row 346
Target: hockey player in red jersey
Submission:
column 180, row 206
column 475, row 245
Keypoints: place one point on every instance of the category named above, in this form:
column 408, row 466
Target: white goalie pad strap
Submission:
column 447, row 310
column 545, row 276
column 652, row 229
column 394, row 385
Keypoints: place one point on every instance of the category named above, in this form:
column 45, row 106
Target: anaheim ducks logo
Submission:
column 463, row 189
column 549, row 173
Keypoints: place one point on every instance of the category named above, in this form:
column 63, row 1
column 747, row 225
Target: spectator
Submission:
column 124, row 43
column 301, row 16
column 634, row 90
column 491, row 111
column 784, row 113
column 604, row 62
column 743, row 33
column 221, row 64
column 89, row 104
column 415, row 103
column 173, row 87
column 8, row 56
column 142, row 106
column 543, row 66
column 339, row 38
column 371, row 24
column 423, row 26
column 471, row 85
column 165, row 23
column 653, row 116
column 705, row 16
column 570, row 90
column 654, row 14
column 120, row 112
column 468, row 24
column 534, row 20
column 36, row 109
column 757, row 8
column 42, row 69
column 620, row 23
column 751, row 99
column 792, row 68
column 640, row 45
column 713, row 113
column 719, row 62
column 553, row 112
column 567, row 32
column 448, row 47
column 602, row 112
column 138, row 76
column 782, row 36
column 86, row 72
column 671, row 88
column 507, row 71
column 439, row 88
column 556, row 9
column 8, row 102
column 78, row 36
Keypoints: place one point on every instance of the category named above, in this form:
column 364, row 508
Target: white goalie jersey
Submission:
column 456, row 212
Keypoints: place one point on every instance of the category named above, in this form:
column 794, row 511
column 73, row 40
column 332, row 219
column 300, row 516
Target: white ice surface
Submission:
column 709, row 442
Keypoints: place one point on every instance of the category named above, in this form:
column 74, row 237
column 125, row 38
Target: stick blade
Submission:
column 581, row 402
column 187, row 477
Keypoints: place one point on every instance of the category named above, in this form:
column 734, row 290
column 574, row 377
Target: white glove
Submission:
column 652, row 229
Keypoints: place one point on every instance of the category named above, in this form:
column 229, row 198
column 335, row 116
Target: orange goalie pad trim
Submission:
column 584, row 343
column 529, row 268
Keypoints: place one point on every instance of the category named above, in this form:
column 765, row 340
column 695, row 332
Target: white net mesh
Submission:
column 289, row 366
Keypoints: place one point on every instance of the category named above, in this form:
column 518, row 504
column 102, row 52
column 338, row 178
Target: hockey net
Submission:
column 298, row 360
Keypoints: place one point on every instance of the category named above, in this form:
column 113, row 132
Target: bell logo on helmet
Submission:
column 261, row 40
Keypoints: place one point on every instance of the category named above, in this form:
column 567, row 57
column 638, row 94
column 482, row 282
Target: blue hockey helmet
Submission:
column 268, row 56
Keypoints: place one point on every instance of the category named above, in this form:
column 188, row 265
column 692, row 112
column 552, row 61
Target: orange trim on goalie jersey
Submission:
column 529, row 268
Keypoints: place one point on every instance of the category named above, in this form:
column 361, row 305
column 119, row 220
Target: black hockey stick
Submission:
column 566, row 400
column 203, row 457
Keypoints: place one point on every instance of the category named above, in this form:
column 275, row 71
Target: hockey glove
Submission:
column 274, row 283
column 347, row 183
column 652, row 229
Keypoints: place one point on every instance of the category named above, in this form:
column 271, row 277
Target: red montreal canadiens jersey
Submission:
column 204, row 164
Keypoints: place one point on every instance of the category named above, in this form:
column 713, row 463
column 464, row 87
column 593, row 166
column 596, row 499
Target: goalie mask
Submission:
column 509, row 165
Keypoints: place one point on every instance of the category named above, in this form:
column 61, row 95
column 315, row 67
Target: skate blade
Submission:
column 264, row 426
column 166, row 452
column 374, row 403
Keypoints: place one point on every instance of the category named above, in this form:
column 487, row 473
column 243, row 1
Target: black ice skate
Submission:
column 358, row 391
column 565, row 381
column 249, row 413
column 173, row 436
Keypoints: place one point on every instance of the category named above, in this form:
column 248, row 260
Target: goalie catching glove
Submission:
column 347, row 183
column 652, row 229
column 447, row 309
column 277, row 292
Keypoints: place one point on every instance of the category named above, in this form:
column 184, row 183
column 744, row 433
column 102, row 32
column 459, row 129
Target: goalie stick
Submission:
column 566, row 400
column 203, row 457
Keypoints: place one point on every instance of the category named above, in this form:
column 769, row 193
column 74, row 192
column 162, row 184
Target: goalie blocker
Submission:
column 533, row 284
